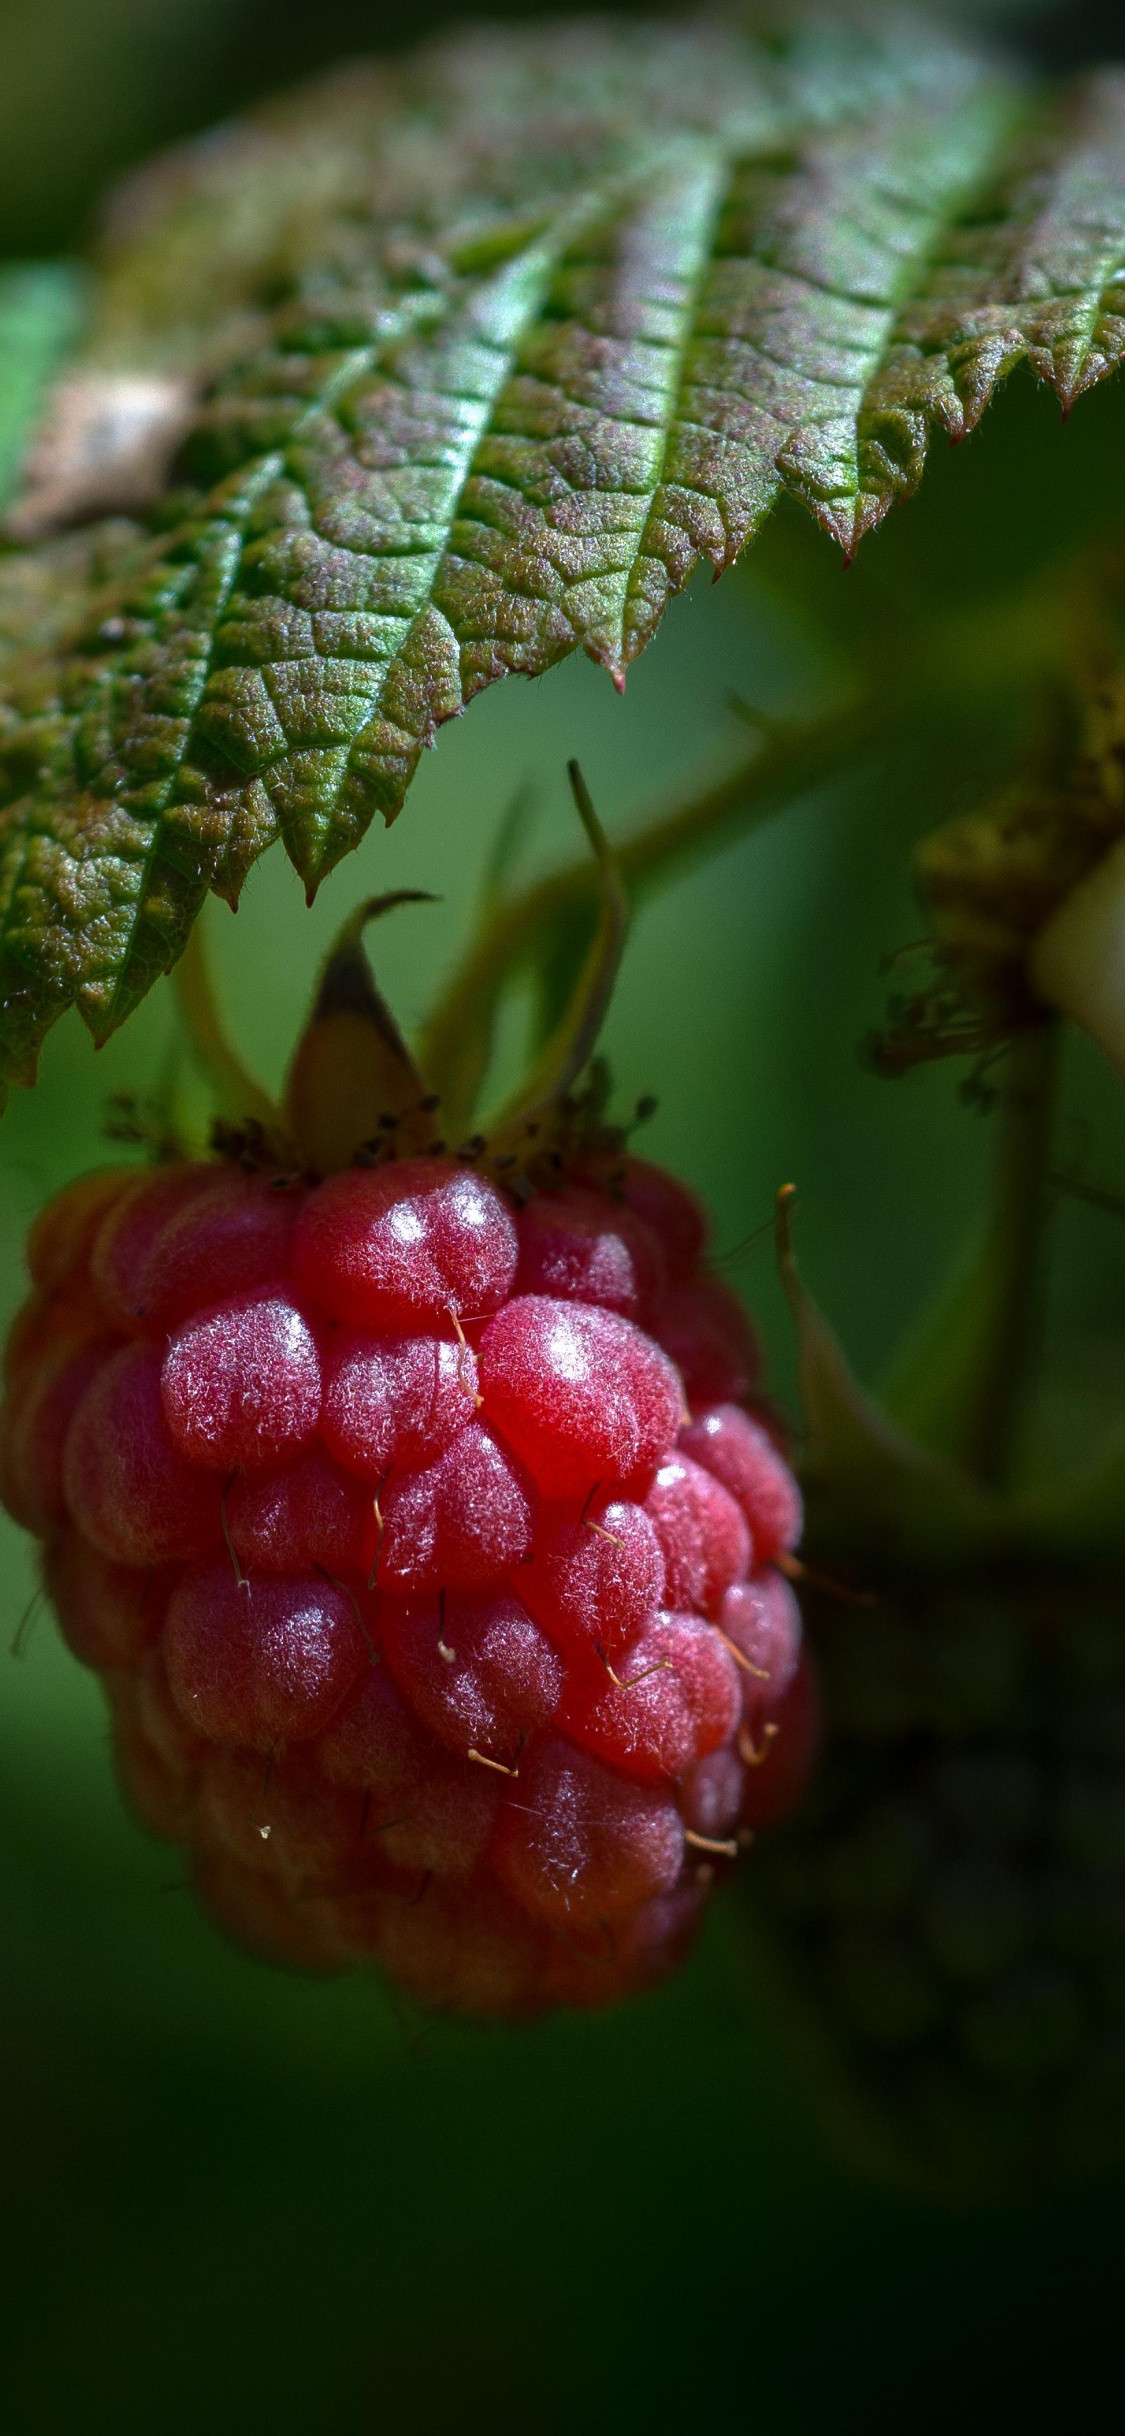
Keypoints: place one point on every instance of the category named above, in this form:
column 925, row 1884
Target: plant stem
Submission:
column 1014, row 1250
column 237, row 1094
column 519, row 931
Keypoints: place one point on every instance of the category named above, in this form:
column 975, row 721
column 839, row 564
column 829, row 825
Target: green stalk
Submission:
column 521, row 932
column 1011, row 1311
column 237, row 1094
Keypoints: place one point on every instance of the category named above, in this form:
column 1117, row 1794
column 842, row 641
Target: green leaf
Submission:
column 493, row 346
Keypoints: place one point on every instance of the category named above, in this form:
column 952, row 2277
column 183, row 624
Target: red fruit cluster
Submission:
column 425, row 1545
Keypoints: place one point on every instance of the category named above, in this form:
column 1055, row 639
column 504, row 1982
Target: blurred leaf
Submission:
column 1076, row 961
column 41, row 311
column 868, row 1484
column 962, row 1384
column 514, row 333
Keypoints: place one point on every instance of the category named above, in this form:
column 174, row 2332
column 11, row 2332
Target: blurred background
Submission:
column 87, row 86
column 236, row 2198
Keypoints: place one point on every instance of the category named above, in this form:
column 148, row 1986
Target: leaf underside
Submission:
column 495, row 345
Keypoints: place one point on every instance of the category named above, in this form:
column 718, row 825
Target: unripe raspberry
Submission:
column 948, row 1906
column 430, row 1623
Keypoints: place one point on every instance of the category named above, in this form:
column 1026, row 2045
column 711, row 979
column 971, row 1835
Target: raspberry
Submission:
column 408, row 1247
column 713, row 1794
column 240, row 1385
column 675, row 1699
column 948, row 1908
column 128, row 1487
column 477, row 1672
column 594, row 1577
column 260, row 1662
column 579, row 1245
column 36, row 1426
column 672, row 1214
column 436, row 1612
column 761, row 1619
column 312, row 1826
column 704, row 1328
column 277, row 1522
column 62, row 1236
column 395, row 1399
column 121, row 1245
column 190, row 1236
column 461, row 1523
column 111, row 1615
column 740, row 1453
column 702, row 1534
column 583, row 1848
column 581, row 1394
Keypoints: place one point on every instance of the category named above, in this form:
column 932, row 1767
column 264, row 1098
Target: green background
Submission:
column 236, row 2200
